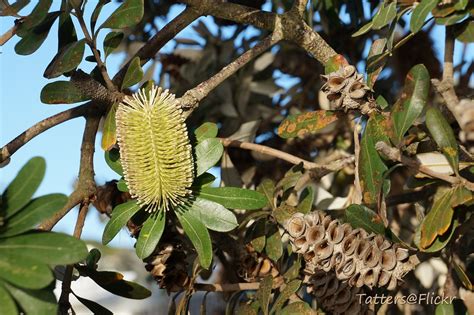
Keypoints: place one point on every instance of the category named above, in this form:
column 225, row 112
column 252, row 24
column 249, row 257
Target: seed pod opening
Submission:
column 155, row 151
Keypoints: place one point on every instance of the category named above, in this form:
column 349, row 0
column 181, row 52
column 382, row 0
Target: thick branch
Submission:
column 190, row 100
column 168, row 32
column 41, row 127
column 300, row 6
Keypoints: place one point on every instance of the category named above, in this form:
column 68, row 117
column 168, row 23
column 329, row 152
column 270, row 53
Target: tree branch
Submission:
column 168, row 32
column 190, row 100
column 41, row 127
column 228, row 287
column 300, row 6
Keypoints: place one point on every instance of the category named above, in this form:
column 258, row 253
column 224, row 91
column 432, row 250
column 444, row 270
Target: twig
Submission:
column 395, row 155
column 190, row 100
column 41, row 127
column 300, row 6
column 228, row 287
column 8, row 35
column 154, row 44
column 86, row 187
column 64, row 304
column 357, row 192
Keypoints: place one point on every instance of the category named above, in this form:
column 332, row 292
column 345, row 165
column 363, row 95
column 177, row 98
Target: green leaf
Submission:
column 301, row 124
column 134, row 73
column 66, row 32
column 335, row 63
column 374, row 63
column 440, row 242
column 233, row 197
column 205, row 131
column 122, row 185
column 7, row 302
column 306, row 200
column 462, row 276
column 61, row 92
column 444, row 309
column 93, row 258
column 96, row 12
column 385, row 15
column 465, row 32
column 39, row 13
column 67, row 59
column 208, row 153
column 23, row 273
column 285, row 294
column 33, row 39
column 371, row 166
column 46, row 247
column 22, row 188
column 364, row 29
column 213, row 215
column 258, row 236
column 113, row 282
column 33, row 214
column 274, row 245
column 300, row 308
column 439, row 219
column 203, row 180
column 150, row 234
column 111, row 42
column 451, row 19
column 294, row 271
column 267, row 188
column 93, row 306
column 264, row 292
column 199, row 236
column 412, row 101
column 120, row 216
column 112, row 158
column 109, row 134
column 443, row 135
column 34, row 302
column 420, row 13
column 362, row 217
column 127, row 15
column 291, row 177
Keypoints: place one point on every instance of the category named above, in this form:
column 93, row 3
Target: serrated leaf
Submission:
column 113, row 282
column 205, row 131
column 385, row 15
column 267, row 188
column 46, row 247
column 128, row 14
column 109, row 133
column 443, row 135
column 420, row 13
column 335, row 63
column 61, row 92
column 67, row 59
column 22, row 188
column 111, row 42
column 301, row 124
column 199, row 236
column 33, row 213
column 120, row 216
column 306, row 200
column 274, row 245
column 34, row 302
column 7, row 302
column 134, row 73
column 364, row 29
column 264, row 292
column 300, row 308
column 412, row 101
column 439, row 218
column 233, row 197
column 33, row 39
column 208, row 153
column 285, row 294
column 37, row 15
column 371, row 166
column 150, row 234
column 374, row 68
column 213, row 215
column 25, row 274
column 258, row 236
column 93, row 306
column 112, row 158
column 465, row 32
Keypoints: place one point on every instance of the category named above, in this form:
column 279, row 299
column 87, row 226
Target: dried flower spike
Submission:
column 154, row 149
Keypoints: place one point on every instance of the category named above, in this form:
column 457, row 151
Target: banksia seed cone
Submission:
column 167, row 265
column 335, row 296
column 345, row 89
column 356, row 256
column 154, row 149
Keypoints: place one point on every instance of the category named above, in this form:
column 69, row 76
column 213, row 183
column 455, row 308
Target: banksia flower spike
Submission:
column 155, row 151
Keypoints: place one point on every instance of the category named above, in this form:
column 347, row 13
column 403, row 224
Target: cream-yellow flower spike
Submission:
column 155, row 152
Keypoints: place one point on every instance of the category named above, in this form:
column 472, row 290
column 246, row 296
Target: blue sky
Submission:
column 21, row 82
